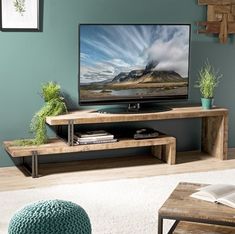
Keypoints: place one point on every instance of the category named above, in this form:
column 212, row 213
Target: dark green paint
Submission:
column 28, row 59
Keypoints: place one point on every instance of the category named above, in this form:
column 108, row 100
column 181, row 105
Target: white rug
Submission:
column 128, row 206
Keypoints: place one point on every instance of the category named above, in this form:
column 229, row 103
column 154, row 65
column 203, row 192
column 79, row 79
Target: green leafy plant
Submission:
column 208, row 80
column 19, row 6
column 54, row 105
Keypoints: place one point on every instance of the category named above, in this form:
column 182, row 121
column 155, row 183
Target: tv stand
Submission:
column 134, row 108
column 214, row 134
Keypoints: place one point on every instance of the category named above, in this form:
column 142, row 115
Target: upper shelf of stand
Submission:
column 92, row 116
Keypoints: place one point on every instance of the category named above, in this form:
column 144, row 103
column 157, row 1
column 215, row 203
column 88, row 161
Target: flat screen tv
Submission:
column 133, row 63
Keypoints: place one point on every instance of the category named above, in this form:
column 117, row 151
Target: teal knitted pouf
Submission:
column 50, row 217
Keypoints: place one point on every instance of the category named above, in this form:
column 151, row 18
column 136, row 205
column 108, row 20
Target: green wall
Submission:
column 27, row 59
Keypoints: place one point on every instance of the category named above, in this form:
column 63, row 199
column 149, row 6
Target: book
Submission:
column 93, row 138
column 218, row 193
column 95, row 142
column 92, row 133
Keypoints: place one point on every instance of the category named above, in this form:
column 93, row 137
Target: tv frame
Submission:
column 136, row 100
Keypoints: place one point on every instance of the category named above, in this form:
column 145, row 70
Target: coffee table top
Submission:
column 180, row 206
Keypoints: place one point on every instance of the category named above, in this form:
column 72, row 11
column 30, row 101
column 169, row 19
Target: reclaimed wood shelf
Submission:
column 214, row 134
column 162, row 147
column 58, row 146
column 92, row 116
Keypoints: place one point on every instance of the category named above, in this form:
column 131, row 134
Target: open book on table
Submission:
column 219, row 193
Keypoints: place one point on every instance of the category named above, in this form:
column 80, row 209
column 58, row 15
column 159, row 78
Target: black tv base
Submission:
column 134, row 108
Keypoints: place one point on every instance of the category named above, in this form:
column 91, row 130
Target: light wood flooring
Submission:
column 11, row 178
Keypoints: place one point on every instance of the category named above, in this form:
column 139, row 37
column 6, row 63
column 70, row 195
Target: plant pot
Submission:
column 207, row 103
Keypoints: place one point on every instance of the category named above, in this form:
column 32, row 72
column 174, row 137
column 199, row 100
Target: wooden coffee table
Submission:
column 187, row 211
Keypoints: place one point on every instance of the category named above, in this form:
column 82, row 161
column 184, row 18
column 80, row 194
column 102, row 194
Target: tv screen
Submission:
column 133, row 63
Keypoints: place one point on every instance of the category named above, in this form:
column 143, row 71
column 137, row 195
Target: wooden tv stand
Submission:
column 214, row 137
column 214, row 134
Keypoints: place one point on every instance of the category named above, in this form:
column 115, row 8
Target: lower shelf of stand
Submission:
column 58, row 146
column 200, row 228
column 163, row 147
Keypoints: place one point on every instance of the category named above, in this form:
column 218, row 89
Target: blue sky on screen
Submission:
column 107, row 50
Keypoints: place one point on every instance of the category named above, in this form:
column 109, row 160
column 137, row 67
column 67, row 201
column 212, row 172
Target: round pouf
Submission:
column 50, row 217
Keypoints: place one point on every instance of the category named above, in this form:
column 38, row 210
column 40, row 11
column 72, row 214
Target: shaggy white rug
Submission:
column 128, row 206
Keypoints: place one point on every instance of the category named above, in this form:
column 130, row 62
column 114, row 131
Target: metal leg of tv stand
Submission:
column 70, row 132
column 33, row 169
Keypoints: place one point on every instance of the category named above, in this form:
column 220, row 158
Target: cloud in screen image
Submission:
column 109, row 50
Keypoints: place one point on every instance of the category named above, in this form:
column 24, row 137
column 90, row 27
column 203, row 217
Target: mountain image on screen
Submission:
column 133, row 61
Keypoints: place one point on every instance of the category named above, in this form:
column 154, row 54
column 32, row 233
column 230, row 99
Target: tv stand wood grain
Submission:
column 162, row 147
column 214, row 134
column 214, row 137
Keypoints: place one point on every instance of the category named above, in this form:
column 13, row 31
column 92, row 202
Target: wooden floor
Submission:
column 12, row 178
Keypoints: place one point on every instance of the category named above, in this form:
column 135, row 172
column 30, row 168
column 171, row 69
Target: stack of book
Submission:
column 93, row 137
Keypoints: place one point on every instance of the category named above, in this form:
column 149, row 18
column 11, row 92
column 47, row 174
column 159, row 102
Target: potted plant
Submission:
column 54, row 105
column 208, row 80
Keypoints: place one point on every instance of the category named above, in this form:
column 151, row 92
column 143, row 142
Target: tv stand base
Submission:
column 134, row 108
column 214, row 134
